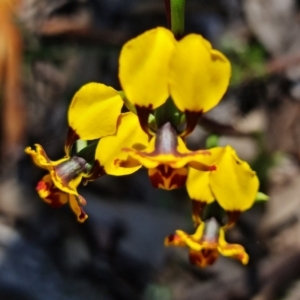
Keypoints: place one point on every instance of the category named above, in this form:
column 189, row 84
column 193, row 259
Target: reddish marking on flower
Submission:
column 205, row 257
column 178, row 181
column 195, row 258
column 42, row 186
column 156, row 179
column 54, row 200
column 212, row 168
column 173, row 239
column 120, row 163
column 205, row 152
column 82, row 216
column 165, row 170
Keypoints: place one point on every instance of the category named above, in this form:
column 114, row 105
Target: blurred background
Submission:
column 48, row 49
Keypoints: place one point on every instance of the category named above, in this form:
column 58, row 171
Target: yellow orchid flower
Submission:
column 207, row 244
column 93, row 113
column 234, row 184
column 152, row 68
column 165, row 155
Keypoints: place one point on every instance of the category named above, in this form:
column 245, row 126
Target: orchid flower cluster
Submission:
column 167, row 85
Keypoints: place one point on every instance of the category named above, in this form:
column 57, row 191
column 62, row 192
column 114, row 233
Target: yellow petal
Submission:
column 232, row 250
column 94, row 111
column 41, row 159
column 109, row 149
column 144, row 67
column 199, row 232
column 233, row 184
column 199, row 75
column 198, row 186
column 192, row 243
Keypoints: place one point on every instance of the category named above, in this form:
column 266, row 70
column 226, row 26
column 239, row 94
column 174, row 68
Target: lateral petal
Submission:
column 198, row 186
column 232, row 250
column 109, row 149
column 234, row 183
column 94, row 111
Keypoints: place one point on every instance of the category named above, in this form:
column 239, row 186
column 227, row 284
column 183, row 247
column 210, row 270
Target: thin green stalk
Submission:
column 177, row 8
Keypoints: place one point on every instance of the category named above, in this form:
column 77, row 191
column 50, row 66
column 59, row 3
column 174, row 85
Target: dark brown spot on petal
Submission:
column 96, row 172
column 203, row 258
column 72, row 137
column 191, row 121
column 232, row 218
column 54, row 195
column 178, row 181
column 197, row 208
column 165, row 170
column 168, row 178
column 156, row 179
column 138, row 146
column 211, row 257
column 206, row 253
column 170, row 238
column 143, row 115
column 82, row 217
column 195, row 258
column 54, row 199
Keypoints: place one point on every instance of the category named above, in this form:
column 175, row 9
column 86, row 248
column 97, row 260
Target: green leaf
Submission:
column 212, row 141
column 261, row 197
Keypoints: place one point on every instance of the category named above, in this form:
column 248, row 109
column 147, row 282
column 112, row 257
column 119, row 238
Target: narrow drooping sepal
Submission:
column 233, row 184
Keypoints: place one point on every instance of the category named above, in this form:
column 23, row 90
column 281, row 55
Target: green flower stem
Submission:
column 177, row 8
column 261, row 197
